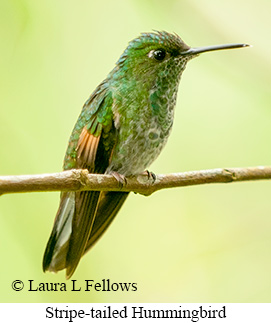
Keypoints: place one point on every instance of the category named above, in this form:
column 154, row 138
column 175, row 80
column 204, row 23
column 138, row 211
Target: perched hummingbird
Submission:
column 121, row 130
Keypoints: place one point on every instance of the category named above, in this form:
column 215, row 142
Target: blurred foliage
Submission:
column 199, row 244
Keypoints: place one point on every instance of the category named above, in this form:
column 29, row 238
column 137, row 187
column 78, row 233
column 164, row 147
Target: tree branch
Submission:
column 82, row 180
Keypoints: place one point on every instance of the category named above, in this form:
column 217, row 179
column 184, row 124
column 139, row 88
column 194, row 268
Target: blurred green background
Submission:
column 197, row 244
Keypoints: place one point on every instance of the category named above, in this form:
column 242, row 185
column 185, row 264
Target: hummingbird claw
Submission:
column 120, row 178
column 150, row 175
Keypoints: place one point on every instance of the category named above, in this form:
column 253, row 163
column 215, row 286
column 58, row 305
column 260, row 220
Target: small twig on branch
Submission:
column 82, row 180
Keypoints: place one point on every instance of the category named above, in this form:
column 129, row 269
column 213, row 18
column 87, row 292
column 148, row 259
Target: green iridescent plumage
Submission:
column 121, row 130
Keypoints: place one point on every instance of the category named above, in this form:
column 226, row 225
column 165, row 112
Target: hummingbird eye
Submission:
column 159, row 54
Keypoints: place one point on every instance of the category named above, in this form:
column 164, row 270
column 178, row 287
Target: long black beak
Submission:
column 199, row 50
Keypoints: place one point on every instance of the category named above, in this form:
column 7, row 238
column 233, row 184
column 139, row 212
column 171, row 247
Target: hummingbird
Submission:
column 121, row 130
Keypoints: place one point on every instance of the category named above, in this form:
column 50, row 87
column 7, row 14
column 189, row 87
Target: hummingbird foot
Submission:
column 122, row 181
column 146, row 177
column 150, row 175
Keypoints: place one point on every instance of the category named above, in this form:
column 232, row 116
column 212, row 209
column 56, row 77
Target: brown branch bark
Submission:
column 81, row 180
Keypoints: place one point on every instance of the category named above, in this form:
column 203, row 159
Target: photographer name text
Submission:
column 87, row 285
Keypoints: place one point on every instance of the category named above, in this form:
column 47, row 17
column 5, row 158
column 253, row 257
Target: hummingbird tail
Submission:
column 54, row 258
column 86, row 204
column 74, row 232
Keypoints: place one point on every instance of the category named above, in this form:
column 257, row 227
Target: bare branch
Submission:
column 81, row 180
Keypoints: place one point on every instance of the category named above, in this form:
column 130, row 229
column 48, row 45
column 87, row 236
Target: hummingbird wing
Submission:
column 91, row 145
column 108, row 206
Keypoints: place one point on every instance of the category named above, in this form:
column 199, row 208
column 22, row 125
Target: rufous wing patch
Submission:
column 87, row 149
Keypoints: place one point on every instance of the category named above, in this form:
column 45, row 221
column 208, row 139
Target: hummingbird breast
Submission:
column 143, row 129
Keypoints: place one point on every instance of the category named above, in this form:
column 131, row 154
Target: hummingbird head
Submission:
column 157, row 57
column 152, row 55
